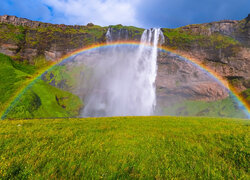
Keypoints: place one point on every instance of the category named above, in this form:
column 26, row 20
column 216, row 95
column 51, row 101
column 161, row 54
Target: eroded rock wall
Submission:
column 224, row 46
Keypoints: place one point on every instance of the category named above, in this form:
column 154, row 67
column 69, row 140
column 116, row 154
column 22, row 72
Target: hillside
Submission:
column 41, row 100
column 125, row 148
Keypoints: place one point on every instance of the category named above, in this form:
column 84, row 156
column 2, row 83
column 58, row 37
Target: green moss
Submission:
column 246, row 95
column 48, row 29
column 9, row 32
column 135, row 31
column 179, row 38
column 60, row 77
column 66, row 77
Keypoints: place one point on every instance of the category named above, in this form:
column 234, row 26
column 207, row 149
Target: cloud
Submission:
column 101, row 12
column 141, row 13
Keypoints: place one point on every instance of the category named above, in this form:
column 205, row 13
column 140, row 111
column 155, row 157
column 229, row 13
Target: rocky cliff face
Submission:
column 179, row 80
column 224, row 46
column 26, row 39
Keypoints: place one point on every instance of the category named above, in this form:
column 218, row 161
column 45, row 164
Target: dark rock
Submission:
column 90, row 24
column 248, row 18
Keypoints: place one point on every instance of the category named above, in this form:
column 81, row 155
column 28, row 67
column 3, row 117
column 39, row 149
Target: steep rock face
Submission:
column 121, row 33
column 179, row 80
column 224, row 46
column 27, row 39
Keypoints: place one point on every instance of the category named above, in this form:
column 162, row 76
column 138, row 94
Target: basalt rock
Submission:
column 178, row 79
column 30, row 39
column 223, row 46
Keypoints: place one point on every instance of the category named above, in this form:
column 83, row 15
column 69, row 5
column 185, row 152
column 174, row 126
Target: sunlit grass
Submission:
column 125, row 148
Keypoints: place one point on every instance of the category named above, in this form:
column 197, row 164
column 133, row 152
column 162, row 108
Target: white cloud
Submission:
column 101, row 12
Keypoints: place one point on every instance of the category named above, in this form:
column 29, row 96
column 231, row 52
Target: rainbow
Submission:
column 241, row 102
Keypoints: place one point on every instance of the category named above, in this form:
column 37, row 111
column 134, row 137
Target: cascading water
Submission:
column 123, row 80
column 116, row 35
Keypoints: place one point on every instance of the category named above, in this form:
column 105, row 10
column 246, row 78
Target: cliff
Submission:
column 224, row 46
column 25, row 39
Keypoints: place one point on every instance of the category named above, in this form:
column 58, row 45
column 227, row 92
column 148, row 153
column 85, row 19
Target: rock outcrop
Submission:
column 26, row 39
column 224, row 46
column 179, row 80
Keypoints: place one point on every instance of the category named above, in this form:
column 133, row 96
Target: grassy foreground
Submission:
column 125, row 148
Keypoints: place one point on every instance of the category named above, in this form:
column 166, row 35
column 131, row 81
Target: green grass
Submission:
column 220, row 108
column 63, row 77
column 125, row 148
column 12, row 76
column 178, row 38
column 41, row 100
column 66, row 76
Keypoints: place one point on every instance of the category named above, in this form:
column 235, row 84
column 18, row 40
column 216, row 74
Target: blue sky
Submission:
column 141, row 13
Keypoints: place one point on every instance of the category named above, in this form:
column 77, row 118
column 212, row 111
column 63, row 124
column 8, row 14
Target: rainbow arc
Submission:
column 241, row 102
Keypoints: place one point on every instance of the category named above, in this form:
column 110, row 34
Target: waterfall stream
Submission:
column 123, row 79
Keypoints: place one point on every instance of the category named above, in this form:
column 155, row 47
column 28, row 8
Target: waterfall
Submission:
column 116, row 34
column 123, row 82
column 146, row 63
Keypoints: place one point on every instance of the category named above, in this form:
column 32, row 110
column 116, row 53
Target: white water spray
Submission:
column 123, row 81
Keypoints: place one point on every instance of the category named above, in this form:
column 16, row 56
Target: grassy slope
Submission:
column 125, row 147
column 221, row 108
column 42, row 100
column 12, row 76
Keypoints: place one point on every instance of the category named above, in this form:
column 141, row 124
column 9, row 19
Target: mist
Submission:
column 122, row 81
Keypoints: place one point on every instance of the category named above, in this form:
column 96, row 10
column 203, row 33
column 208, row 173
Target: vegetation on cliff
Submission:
column 11, row 33
column 125, row 148
column 41, row 100
column 182, row 39
column 134, row 33
column 246, row 95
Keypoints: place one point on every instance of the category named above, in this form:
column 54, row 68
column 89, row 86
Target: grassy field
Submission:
column 125, row 148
